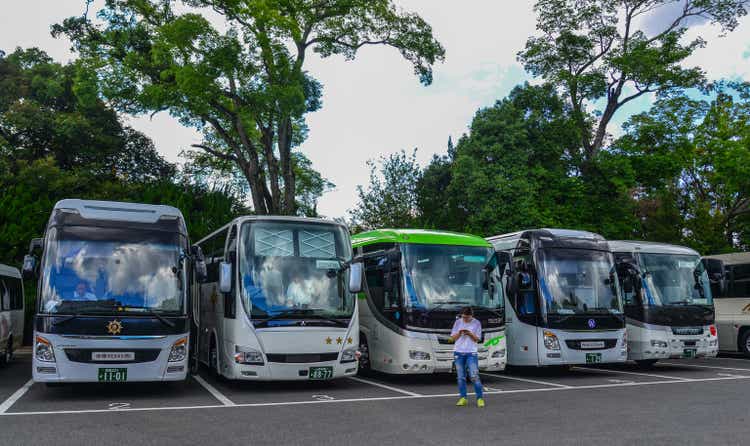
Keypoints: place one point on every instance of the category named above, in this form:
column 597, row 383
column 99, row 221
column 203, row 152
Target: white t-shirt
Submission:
column 465, row 344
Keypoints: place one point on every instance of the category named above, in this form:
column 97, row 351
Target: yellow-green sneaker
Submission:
column 480, row 402
column 461, row 402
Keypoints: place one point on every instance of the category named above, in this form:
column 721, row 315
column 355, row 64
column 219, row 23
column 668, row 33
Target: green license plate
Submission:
column 319, row 373
column 110, row 375
column 689, row 353
column 593, row 358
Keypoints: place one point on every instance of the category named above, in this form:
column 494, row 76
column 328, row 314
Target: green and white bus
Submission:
column 416, row 282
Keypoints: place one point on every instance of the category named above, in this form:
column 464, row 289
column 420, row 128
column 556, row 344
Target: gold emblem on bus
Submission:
column 746, row 309
column 329, row 340
column 114, row 327
column 339, row 340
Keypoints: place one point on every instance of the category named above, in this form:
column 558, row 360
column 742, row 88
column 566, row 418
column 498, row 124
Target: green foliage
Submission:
column 390, row 200
column 598, row 50
column 245, row 88
column 692, row 165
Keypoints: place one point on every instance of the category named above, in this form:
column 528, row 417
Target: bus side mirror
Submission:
column 199, row 264
column 355, row 278
column 29, row 267
column 225, row 277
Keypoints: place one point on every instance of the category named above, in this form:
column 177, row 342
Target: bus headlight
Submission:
column 551, row 341
column 498, row 353
column 179, row 351
column 43, row 350
column 247, row 355
column 349, row 355
column 660, row 344
column 419, row 355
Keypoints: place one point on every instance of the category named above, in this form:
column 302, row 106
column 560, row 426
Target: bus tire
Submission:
column 646, row 363
column 213, row 358
column 364, row 357
column 744, row 346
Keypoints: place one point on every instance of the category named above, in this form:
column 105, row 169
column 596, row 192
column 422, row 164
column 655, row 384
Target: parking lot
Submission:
column 686, row 401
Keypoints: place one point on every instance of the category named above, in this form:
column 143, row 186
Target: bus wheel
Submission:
column 745, row 343
column 364, row 358
column 213, row 358
column 646, row 363
column 8, row 356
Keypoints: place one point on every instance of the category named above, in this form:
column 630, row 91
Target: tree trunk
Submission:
column 285, row 153
column 267, row 140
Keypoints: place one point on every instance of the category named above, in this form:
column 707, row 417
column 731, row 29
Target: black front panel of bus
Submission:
column 100, row 325
column 444, row 320
column 672, row 316
column 584, row 322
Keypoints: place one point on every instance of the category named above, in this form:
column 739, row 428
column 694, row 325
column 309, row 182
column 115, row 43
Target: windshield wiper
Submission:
column 441, row 304
column 680, row 302
column 491, row 310
column 155, row 314
column 64, row 320
column 302, row 314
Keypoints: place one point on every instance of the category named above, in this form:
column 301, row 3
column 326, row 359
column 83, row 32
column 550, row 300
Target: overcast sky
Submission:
column 375, row 105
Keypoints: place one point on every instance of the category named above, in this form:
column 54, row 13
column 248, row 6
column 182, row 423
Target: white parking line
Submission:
column 377, row 384
column 15, row 397
column 526, row 380
column 652, row 375
column 703, row 366
column 212, row 390
column 387, row 398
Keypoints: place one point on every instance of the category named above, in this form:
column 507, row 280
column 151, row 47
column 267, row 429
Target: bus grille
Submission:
column 299, row 358
column 84, row 355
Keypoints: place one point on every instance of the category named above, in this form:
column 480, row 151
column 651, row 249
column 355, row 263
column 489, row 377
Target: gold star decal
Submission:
column 349, row 340
column 328, row 340
column 339, row 340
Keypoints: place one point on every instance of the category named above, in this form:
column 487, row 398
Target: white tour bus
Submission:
column 277, row 304
column 416, row 282
column 563, row 299
column 668, row 304
column 730, row 282
column 113, row 294
column 11, row 312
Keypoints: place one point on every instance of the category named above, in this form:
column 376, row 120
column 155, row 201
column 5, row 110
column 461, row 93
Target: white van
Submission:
column 11, row 312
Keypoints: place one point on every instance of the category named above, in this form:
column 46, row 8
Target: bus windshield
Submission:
column 578, row 281
column 671, row 279
column 94, row 270
column 448, row 276
column 294, row 270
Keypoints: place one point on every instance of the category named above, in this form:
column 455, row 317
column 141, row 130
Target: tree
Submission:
column 599, row 50
column 245, row 88
column 692, row 165
column 47, row 109
column 390, row 200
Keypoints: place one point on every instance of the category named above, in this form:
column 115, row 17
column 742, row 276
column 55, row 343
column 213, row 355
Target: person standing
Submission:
column 465, row 334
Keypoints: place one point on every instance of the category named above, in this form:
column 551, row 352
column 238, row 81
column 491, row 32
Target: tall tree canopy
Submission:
column 692, row 164
column 245, row 86
column 601, row 51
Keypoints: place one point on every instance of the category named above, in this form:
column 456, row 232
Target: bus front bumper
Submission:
column 321, row 371
column 73, row 360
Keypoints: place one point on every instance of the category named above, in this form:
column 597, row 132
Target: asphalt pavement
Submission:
column 702, row 401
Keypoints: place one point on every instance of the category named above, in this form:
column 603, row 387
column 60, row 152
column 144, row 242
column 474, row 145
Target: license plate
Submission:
column 689, row 353
column 319, row 373
column 113, row 356
column 593, row 358
column 592, row 344
column 113, row 375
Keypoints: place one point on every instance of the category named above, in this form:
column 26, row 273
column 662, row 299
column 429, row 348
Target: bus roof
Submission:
column 649, row 247
column 417, row 236
column 273, row 218
column 119, row 211
column 9, row 271
column 735, row 258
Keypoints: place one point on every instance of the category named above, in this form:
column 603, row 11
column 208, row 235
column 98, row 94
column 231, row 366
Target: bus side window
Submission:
column 717, row 277
column 627, row 285
column 739, row 283
column 5, row 295
column 375, row 282
column 16, row 294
